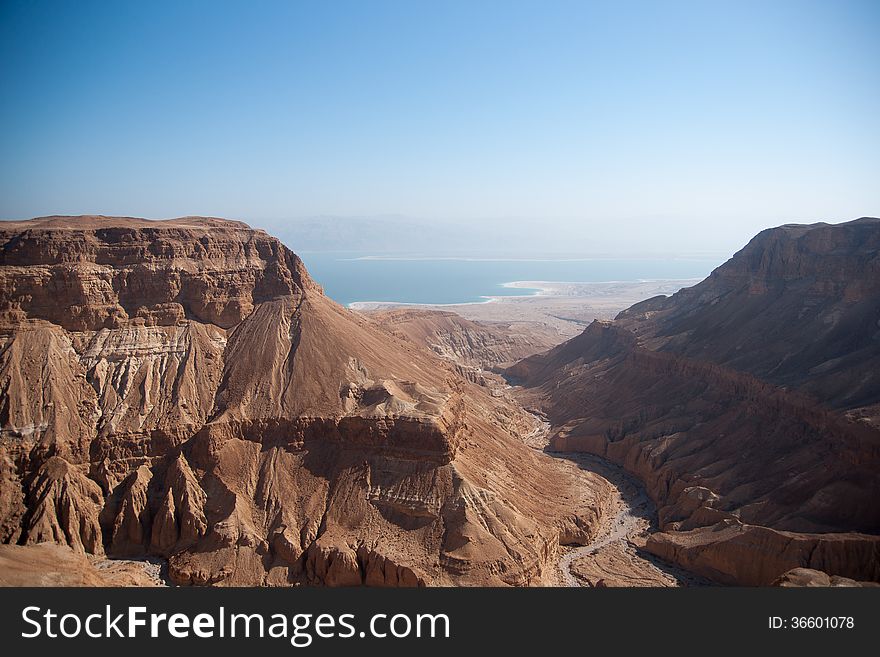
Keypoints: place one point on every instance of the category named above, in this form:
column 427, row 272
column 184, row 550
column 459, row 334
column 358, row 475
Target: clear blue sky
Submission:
column 678, row 118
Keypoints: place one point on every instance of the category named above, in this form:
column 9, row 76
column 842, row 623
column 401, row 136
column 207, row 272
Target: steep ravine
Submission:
column 615, row 555
column 746, row 404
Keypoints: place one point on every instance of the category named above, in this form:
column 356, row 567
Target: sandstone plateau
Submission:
column 747, row 404
column 183, row 390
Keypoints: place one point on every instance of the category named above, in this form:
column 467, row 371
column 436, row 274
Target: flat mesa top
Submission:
column 92, row 222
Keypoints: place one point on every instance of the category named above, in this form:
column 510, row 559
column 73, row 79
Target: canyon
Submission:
column 747, row 405
column 180, row 396
column 183, row 390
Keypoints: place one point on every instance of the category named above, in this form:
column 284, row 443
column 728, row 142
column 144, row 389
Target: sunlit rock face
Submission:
column 183, row 389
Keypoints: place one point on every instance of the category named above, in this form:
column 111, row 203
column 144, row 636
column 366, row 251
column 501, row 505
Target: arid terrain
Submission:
column 745, row 404
column 558, row 312
column 180, row 403
column 183, row 390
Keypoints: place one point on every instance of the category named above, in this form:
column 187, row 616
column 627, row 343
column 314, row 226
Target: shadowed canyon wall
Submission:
column 747, row 404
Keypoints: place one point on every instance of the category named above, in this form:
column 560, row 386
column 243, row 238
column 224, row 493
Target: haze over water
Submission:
column 357, row 277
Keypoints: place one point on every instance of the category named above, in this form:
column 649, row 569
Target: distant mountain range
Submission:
column 385, row 234
column 513, row 237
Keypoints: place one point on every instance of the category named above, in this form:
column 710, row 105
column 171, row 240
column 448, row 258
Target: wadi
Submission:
column 180, row 403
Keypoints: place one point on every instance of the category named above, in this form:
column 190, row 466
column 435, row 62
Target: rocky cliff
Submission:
column 479, row 350
column 183, row 389
column 799, row 307
column 745, row 404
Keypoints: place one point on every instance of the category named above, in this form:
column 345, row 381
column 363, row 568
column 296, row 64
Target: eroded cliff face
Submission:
column 473, row 345
column 799, row 307
column 733, row 402
column 183, row 389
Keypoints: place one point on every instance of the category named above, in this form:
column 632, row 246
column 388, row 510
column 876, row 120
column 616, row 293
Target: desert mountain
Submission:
column 798, row 307
column 183, row 389
column 477, row 348
column 747, row 404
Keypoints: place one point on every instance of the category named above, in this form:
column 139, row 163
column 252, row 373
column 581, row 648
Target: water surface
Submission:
column 351, row 277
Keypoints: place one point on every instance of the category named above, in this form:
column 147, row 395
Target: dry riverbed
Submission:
column 615, row 557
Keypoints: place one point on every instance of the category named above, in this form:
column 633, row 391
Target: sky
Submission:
column 684, row 126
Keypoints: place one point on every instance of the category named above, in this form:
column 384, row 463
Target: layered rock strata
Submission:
column 746, row 404
column 183, row 389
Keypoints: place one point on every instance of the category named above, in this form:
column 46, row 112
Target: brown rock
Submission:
column 12, row 500
column 249, row 429
column 797, row 577
column 473, row 345
column 797, row 307
column 180, row 521
column 732, row 553
column 745, row 404
column 63, row 507
column 126, row 516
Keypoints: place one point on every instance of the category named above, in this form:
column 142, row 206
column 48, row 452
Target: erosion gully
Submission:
column 615, row 557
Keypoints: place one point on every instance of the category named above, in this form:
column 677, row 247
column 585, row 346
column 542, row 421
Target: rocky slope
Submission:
column 478, row 349
column 52, row 564
column 183, row 389
column 798, row 307
column 797, row 577
column 744, row 404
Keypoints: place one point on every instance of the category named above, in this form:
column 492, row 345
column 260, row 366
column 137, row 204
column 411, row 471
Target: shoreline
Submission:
column 380, row 305
column 545, row 289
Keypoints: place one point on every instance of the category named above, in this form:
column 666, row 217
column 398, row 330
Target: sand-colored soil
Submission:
column 566, row 307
